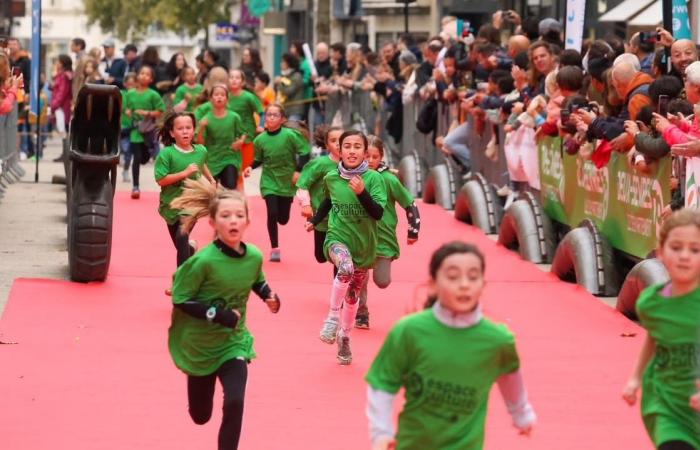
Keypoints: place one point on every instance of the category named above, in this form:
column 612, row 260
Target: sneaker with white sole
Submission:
column 275, row 255
column 329, row 330
column 344, row 352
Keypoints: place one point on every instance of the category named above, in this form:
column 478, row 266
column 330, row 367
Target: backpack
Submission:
column 427, row 117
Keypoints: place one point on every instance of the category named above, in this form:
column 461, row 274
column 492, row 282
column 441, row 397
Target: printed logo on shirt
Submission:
column 349, row 210
column 442, row 399
column 681, row 356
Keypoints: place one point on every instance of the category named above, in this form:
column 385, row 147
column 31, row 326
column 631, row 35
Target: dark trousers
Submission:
column 233, row 375
column 181, row 240
column 319, row 239
column 676, row 445
column 278, row 209
column 140, row 156
column 228, row 177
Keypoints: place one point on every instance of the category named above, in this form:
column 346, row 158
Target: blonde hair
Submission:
column 200, row 198
column 680, row 218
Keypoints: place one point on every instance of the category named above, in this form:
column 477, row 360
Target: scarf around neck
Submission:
column 347, row 174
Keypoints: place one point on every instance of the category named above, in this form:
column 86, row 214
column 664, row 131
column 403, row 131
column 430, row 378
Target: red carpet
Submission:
column 91, row 370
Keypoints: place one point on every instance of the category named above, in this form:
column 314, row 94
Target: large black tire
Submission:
column 518, row 231
column 90, row 227
column 411, row 174
column 584, row 256
column 646, row 273
column 471, row 207
column 438, row 187
column 545, row 230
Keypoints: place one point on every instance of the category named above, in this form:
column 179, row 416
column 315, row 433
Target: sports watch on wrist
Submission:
column 211, row 313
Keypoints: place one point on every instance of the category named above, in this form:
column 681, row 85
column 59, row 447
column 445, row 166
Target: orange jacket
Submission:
column 638, row 100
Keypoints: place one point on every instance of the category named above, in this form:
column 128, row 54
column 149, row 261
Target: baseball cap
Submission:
column 549, row 25
column 108, row 43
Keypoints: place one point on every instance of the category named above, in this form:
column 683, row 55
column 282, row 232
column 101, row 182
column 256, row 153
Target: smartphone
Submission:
column 16, row 71
column 663, row 105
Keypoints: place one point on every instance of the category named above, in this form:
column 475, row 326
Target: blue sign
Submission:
column 226, row 31
column 681, row 22
column 36, row 57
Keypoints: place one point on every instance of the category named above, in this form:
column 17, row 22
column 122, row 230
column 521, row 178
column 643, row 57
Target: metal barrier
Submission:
column 10, row 170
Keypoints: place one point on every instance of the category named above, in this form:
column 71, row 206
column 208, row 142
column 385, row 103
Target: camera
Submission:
column 649, row 37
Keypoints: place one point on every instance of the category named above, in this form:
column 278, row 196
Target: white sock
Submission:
column 337, row 296
column 347, row 318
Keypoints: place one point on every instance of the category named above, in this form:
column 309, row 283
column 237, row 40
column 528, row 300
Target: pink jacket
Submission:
column 683, row 133
column 9, row 95
column 62, row 96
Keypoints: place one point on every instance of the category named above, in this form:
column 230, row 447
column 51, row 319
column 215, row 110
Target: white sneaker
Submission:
column 329, row 330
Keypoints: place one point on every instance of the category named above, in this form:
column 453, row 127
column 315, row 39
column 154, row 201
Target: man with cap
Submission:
column 112, row 68
column 550, row 31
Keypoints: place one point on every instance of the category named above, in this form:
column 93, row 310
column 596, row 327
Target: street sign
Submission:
column 575, row 18
column 226, row 32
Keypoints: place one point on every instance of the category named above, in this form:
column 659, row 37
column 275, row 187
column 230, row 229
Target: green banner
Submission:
column 625, row 204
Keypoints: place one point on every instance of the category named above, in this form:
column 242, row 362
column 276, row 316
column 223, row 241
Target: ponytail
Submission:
column 200, row 198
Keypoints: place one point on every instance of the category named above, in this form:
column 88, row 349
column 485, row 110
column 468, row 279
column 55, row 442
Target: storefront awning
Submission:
column 625, row 10
column 650, row 17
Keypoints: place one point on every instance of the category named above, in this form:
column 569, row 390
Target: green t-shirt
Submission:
column 278, row 152
column 193, row 91
column 311, row 179
column 126, row 120
column 447, row 374
column 197, row 346
column 387, row 244
column 305, row 69
column 348, row 222
column 219, row 134
column 246, row 105
column 669, row 379
column 171, row 160
column 148, row 100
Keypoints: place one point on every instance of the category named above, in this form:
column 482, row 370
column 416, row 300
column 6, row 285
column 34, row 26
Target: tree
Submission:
column 129, row 19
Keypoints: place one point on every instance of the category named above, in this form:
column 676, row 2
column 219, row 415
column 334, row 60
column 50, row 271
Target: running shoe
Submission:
column 344, row 352
column 125, row 176
column 275, row 255
column 329, row 330
column 362, row 321
column 135, row 193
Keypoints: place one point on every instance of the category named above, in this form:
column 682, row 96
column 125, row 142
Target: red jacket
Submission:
column 62, row 96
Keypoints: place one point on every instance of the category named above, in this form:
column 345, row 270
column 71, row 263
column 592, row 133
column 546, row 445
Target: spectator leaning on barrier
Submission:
column 430, row 56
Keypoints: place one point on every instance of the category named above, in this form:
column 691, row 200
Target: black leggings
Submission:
column 140, row 153
column 319, row 239
column 181, row 240
column 278, row 209
column 233, row 375
column 228, row 177
column 676, row 445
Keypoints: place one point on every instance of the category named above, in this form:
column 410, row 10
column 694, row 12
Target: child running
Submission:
column 387, row 245
column 356, row 203
column 311, row 190
column 142, row 103
column 178, row 161
column 667, row 366
column 221, row 131
column 247, row 105
column 446, row 357
column 186, row 94
column 208, row 337
column 282, row 152
column 125, row 134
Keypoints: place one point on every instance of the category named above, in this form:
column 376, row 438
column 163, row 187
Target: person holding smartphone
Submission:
column 9, row 85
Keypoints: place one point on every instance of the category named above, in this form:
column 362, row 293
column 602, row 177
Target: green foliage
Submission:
column 130, row 19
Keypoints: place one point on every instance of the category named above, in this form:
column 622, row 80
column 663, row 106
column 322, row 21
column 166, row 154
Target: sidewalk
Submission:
column 33, row 221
